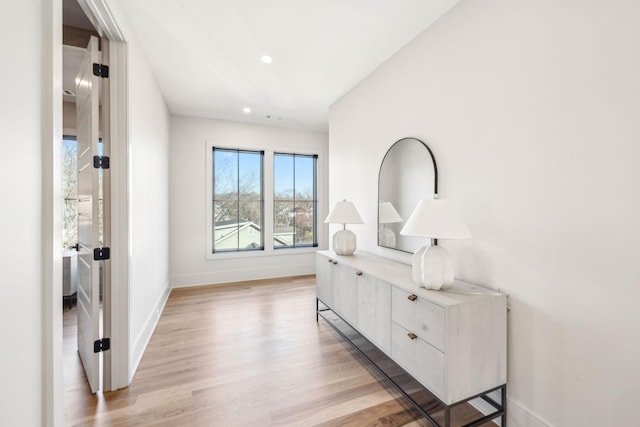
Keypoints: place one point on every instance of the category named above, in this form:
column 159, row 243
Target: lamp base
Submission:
column 432, row 267
column 344, row 242
column 386, row 238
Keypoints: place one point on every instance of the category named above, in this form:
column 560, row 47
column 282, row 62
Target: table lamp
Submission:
column 344, row 241
column 387, row 214
column 432, row 266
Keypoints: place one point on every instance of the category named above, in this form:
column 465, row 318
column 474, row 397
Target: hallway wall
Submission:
column 531, row 109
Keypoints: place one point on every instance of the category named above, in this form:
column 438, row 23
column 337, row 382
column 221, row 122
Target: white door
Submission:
column 87, row 110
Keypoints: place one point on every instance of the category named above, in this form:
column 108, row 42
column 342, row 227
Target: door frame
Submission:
column 118, row 317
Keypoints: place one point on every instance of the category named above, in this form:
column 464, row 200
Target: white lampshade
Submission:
column 344, row 241
column 432, row 266
column 387, row 214
column 437, row 219
column 344, row 213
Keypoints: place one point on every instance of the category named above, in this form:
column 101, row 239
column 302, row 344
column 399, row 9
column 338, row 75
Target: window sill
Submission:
column 263, row 253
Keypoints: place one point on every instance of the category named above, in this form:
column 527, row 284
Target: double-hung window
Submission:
column 238, row 200
column 295, row 200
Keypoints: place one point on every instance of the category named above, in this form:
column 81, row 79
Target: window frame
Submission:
column 261, row 200
column 268, row 189
column 314, row 200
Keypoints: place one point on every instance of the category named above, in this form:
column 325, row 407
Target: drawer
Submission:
column 422, row 317
column 423, row 361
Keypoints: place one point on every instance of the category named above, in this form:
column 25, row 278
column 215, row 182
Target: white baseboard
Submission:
column 231, row 276
column 142, row 340
column 517, row 416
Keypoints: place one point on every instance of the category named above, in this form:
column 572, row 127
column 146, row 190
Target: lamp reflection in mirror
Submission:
column 344, row 241
column 432, row 266
column 387, row 214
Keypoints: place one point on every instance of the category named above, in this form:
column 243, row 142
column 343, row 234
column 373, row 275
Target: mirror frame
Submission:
column 435, row 183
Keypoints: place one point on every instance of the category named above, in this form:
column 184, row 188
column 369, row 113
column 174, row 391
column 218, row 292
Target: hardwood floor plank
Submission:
column 389, row 413
column 247, row 354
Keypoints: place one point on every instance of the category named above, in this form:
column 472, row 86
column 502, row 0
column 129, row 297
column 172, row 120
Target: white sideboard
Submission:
column 454, row 342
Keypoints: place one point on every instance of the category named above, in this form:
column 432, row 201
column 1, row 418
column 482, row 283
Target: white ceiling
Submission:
column 205, row 54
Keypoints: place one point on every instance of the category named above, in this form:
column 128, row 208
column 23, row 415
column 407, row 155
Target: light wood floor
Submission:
column 249, row 354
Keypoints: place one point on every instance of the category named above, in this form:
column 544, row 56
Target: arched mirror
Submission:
column 408, row 174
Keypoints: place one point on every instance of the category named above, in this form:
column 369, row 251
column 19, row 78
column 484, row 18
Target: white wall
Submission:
column 148, row 193
column 531, row 109
column 189, row 265
column 26, row 217
column 149, row 199
column 69, row 118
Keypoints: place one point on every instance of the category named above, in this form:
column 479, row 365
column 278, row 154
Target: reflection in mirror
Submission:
column 387, row 214
column 408, row 174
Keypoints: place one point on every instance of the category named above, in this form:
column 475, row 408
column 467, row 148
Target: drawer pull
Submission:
column 334, row 262
column 329, row 261
column 358, row 273
column 412, row 297
column 412, row 335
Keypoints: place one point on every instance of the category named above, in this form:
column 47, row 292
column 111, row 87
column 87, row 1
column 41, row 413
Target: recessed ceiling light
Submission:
column 266, row 59
column 246, row 110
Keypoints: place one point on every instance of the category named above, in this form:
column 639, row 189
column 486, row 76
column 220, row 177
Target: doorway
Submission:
column 81, row 20
column 84, row 225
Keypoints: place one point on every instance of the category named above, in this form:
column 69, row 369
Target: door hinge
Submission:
column 101, row 345
column 101, row 162
column 101, row 70
column 100, row 254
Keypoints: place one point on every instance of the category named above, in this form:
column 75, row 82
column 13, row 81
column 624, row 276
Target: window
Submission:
column 261, row 202
column 238, row 201
column 294, row 200
column 69, row 192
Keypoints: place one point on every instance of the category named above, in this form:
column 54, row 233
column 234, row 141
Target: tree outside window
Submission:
column 69, row 192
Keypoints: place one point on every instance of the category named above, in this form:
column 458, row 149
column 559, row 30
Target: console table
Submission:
column 440, row 349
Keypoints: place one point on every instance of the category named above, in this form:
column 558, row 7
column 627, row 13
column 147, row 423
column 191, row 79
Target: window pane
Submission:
column 305, row 217
column 225, row 231
column 304, row 178
column 283, row 176
column 238, row 201
column 283, row 235
column 225, row 166
column 69, row 168
column 250, row 175
column 70, row 192
column 70, row 230
column 250, row 227
column 294, row 200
